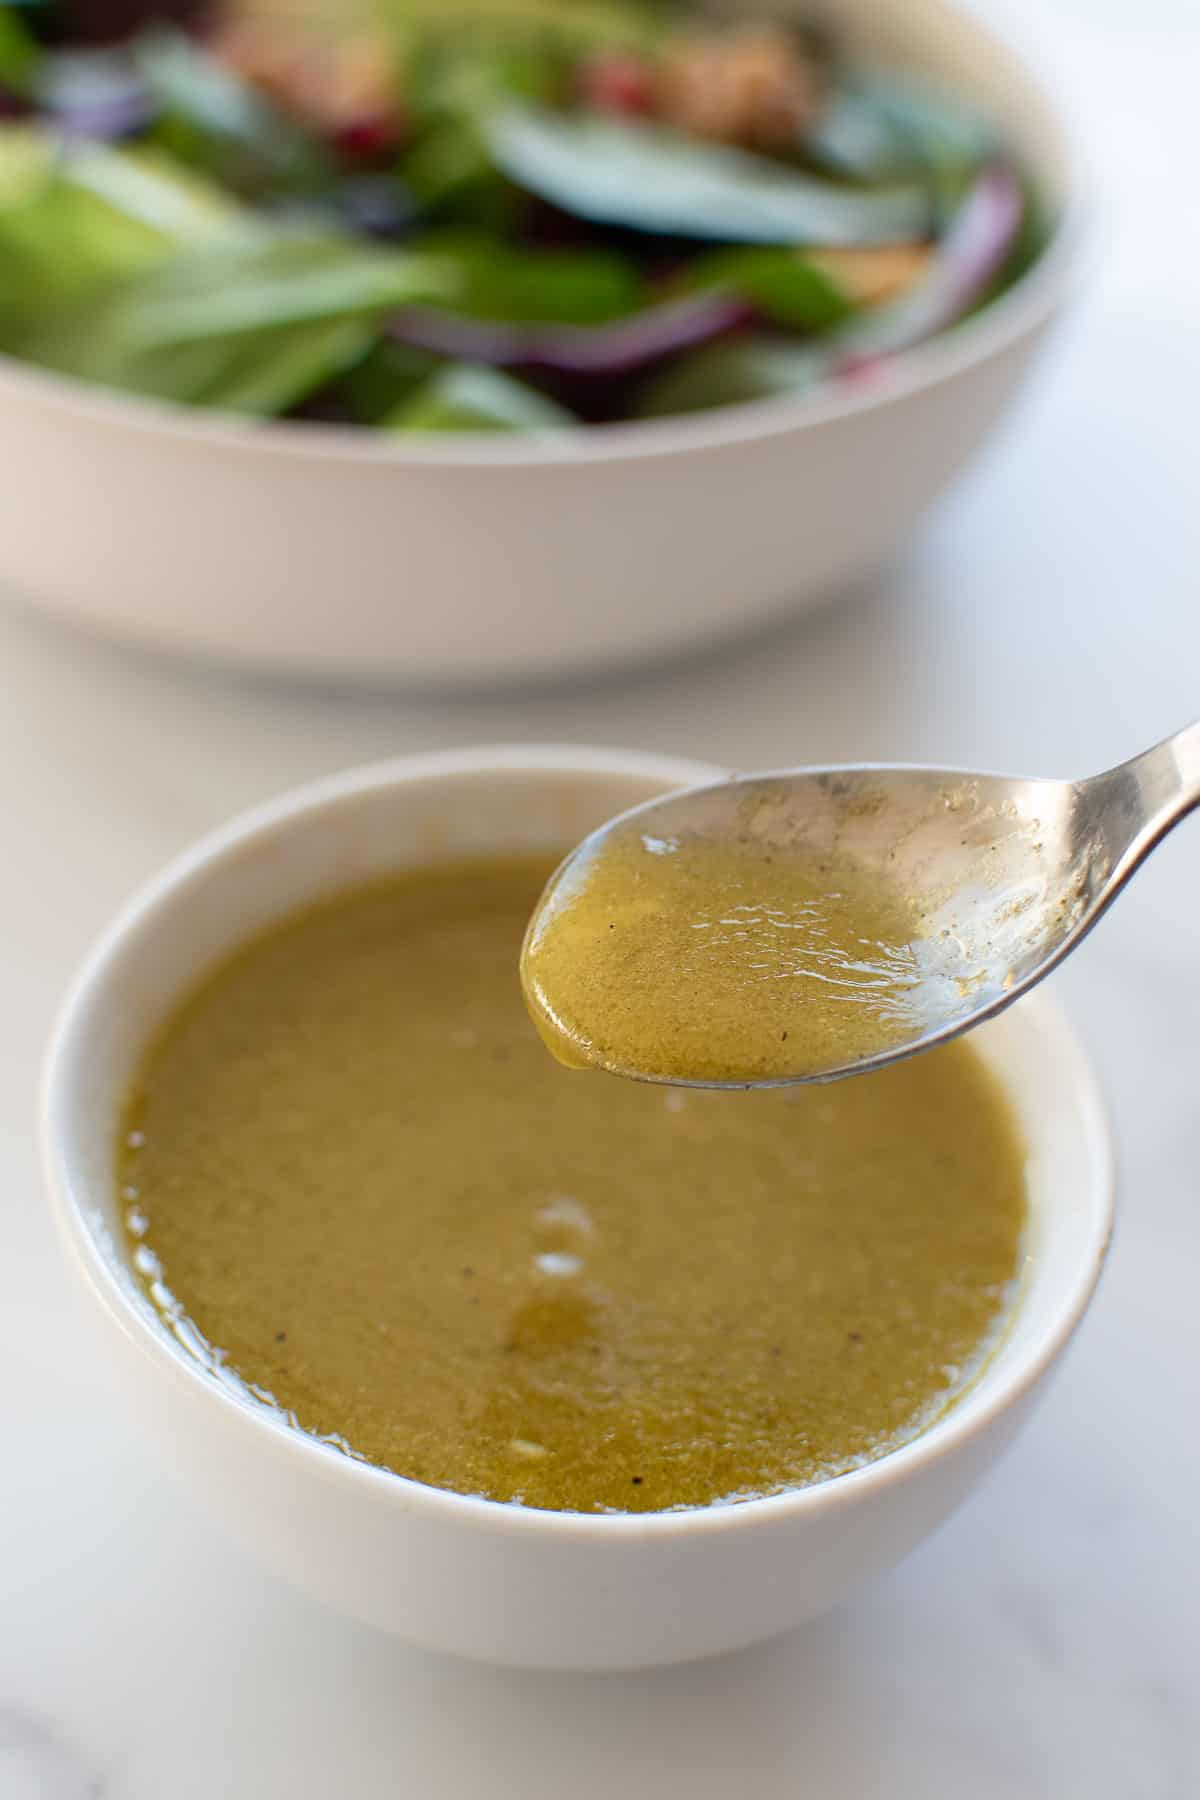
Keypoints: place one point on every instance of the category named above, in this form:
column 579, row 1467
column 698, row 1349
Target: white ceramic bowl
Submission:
column 461, row 562
column 498, row 1581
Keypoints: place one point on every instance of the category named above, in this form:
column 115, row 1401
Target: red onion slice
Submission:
column 972, row 254
column 621, row 348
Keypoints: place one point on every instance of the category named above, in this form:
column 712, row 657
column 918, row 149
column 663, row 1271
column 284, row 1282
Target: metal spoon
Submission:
column 1008, row 874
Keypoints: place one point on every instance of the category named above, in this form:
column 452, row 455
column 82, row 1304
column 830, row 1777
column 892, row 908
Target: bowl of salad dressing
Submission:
column 536, row 1365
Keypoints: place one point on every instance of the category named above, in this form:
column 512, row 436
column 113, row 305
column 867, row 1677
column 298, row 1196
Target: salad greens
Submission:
column 18, row 53
column 252, row 326
column 211, row 120
column 567, row 287
column 75, row 224
column 651, row 179
column 786, row 287
column 473, row 397
column 482, row 215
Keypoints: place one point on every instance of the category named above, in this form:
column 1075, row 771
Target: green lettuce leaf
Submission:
column 19, row 52
column 732, row 373
column 783, row 285
column 885, row 127
column 383, row 379
column 253, row 326
column 76, row 219
column 649, row 179
column 472, row 397
column 217, row 123
column 259, row 373
column 570, row 287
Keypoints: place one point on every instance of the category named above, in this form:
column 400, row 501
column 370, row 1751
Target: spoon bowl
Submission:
column 995, row 879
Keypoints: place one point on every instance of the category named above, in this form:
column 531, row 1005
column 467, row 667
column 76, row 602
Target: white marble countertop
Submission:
column 1046, row 1645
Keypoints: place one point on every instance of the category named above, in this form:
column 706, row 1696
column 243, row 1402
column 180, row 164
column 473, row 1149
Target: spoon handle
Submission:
column 1168, row 783
column 1126, row 812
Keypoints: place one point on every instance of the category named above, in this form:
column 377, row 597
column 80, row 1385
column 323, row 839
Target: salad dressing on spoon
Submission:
column 698, row 959
column 812, row 924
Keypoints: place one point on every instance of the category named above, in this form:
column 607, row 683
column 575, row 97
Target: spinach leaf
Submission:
column 74, row 221
column 141, row 184
column 857, row 138
column 452, row 76
column 383, row 379
column 784, row 286
column 252, row 326
column 733, row 372
column 938, row 125
column 19, row 53
column 888, row 127
column 472, row 397
column 261, row 373
column 450, row 174
column 267, row 373
column 451, row 82
column 649, row 179
column 216, row 122
column 276, row 280
column 569, row 287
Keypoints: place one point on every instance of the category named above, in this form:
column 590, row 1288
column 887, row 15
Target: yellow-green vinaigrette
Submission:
column 719, row 960
column 351, row 1170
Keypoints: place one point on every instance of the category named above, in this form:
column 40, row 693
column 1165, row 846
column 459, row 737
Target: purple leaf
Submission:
column 972, row 254
column 623, row 347
column 95, row 94
column 110, row 121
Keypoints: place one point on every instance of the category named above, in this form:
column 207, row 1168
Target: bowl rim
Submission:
column 70, row 1191
column 1027, row 306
